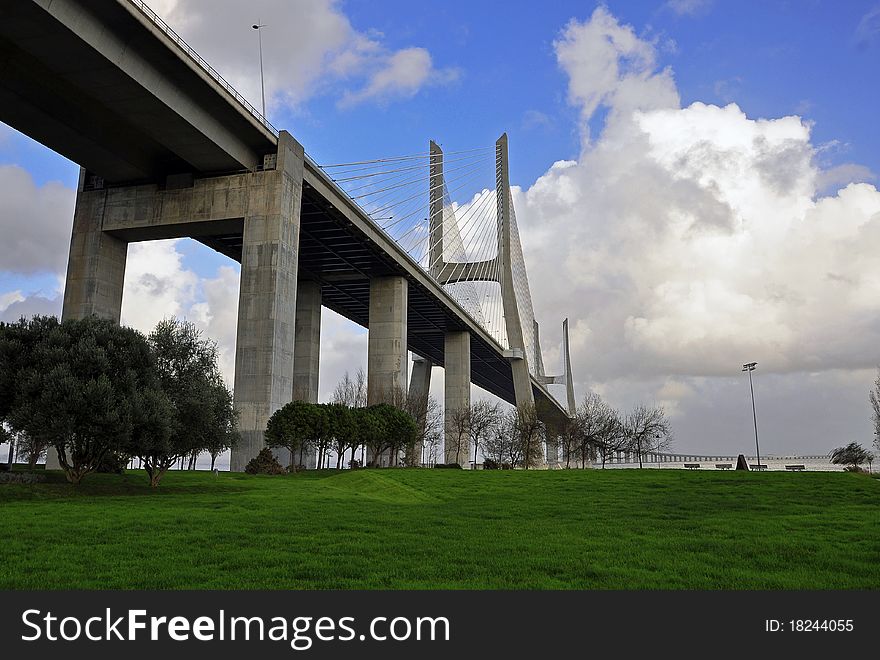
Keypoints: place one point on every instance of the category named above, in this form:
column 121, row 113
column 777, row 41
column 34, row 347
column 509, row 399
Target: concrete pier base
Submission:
column 457, row 364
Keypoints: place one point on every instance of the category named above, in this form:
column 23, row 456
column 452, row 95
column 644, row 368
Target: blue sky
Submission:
column 496, row 67
column 809, row 57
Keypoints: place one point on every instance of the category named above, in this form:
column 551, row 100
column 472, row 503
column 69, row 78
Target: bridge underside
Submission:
column 100, row 83
column 335, row 254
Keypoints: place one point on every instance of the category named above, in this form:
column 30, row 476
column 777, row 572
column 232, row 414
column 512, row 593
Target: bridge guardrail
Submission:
column 198, row 59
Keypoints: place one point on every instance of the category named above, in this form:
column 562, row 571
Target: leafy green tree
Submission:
column 83, row 390
column 223, row 433
column 372, row 424
column 294, row 428
column 851, row 456
column 201, row 414
column 344, row 430
column 17, row 342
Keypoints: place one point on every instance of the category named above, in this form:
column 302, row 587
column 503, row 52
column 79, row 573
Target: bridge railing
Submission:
column 198, row 59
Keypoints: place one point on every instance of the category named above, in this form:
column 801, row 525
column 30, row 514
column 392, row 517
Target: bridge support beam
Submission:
column 457, row 364
column 387, row 365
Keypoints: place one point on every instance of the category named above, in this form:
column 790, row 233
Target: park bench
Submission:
column 692, row 466
column 724, row 466
column 759, row 467
column 795, row 468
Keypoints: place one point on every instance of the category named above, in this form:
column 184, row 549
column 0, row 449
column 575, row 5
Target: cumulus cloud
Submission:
column 400, row 75
column 309, row 47
column 697, row 239
column 36, row 223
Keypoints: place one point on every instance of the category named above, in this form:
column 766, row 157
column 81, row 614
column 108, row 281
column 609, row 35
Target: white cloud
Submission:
column 35, row 222
column 309, row 47
column 9, row 298
column 688, row 7
column 400, row 75
column 696, row 238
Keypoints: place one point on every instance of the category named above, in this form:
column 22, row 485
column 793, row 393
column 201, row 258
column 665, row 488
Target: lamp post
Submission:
column 258, row 26
column 750, row 367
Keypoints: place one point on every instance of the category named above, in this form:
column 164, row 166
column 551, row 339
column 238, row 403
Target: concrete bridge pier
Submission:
column 307, row 350
column 419, row 389
column 457, row 365
column 260, row 210
column 387, row 365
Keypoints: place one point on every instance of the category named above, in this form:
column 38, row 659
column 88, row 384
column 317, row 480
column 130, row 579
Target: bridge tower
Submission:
column 497, row 269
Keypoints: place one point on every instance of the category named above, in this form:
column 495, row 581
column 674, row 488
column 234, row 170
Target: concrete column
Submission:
column 419, row 387
column 267, row 300
column 457, row 395
column 552, row 452
column 387, row 366
column 307, row 350
column 95, row 268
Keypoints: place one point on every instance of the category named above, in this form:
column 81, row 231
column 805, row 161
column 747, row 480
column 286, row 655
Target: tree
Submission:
column 647, row 429
column 223, row 433
column 371, row 424
column 484, row 418
column 17, row 342
column 528, row 430
column 83, row 388
column 294, row 427
column 874, row 396
column 600, row 428
column 457, row 434
column 352, row 392
column 201, row 414
column 343, row 429
column 851, row 456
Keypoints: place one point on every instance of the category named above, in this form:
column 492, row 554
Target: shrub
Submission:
column 113, row 463
column 448, row 466
column 489, row 464
column 264, row 463
column 21, row 478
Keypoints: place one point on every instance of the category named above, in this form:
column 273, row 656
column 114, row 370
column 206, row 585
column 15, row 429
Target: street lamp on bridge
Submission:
column 258, row 26
column 750, row 367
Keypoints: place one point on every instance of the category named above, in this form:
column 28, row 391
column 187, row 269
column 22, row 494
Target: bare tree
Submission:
column 599, row 428
column 647, row 429
column 528, row 434
column 874, row 396
column 484, row 418
column 456, row 435
column 501, row 446
column 352, row 392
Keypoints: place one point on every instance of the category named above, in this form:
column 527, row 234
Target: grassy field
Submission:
column 612, row 529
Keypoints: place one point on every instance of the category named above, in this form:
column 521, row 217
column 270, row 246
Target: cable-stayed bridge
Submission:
column 169, row 149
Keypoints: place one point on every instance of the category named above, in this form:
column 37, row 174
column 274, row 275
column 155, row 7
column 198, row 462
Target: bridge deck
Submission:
column 122, row 96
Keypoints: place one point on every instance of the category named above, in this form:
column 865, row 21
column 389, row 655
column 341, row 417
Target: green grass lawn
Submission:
column 593, row 529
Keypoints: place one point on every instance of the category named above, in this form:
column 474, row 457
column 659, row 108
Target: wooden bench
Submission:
column 724, row 466
column 692, row 466
column 795, row 468
column 758, row 467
